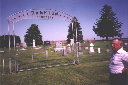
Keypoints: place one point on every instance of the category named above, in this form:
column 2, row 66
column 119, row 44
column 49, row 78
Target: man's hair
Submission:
column 120, row 41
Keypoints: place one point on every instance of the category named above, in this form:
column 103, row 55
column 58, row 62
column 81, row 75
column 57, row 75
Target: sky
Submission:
column 86, row 11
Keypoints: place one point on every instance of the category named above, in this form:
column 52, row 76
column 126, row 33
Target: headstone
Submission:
column 37, row 48
column 3, row 65
column 17, row 67
column 52, row 51
column 58, row 46
column 23, row 49
column 50, row 47
column 86, row 48
column 32, row 56
column 3, row 60
column 10, row 65
column 64, row 51
column 2, row 51
column 69, row 48
column 34, row 43
column 17, row 45
column 23, row 45
column 125, row 44
column 107, row 50
column 71, row 42
column 91, row 50
column 99, row 50
column 80, row 53
column 46, row 54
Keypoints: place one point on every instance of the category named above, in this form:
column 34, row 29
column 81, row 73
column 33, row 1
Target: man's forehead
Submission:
column 115, row 41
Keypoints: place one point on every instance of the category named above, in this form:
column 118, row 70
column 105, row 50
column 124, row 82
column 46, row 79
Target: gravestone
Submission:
column 71, row 42
column 17, row 45
column 2, row 52
column 58, row 46
column 64, row 51
column 37, row 48
column 34, row 45
column 10, row 65
column 24, row 45
column 125, row 44
column 69, row 48
column 107, row 50
column 91, row 50
column 99, row 50
column 46, row 54
column 86, row 48
column 23, row 49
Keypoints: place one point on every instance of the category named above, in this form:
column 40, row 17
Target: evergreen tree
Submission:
column 108, row 24
column 4, row 40
column 33, row 33
column 72, row 31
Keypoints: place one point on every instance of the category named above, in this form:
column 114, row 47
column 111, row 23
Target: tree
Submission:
column 33, row 33
column 75, row 30
column 4, row 40
column 108, row 24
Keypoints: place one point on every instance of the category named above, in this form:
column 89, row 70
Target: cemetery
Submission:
column 76, row 63
column 46, row 66
column 26, row 58
column 43, row 65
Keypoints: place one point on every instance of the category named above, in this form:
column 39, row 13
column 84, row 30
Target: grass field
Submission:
column 92, row 70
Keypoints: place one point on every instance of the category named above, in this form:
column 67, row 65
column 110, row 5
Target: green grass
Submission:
column 92, row 70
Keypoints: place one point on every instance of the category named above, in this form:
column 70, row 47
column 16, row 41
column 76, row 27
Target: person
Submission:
column 117, row 66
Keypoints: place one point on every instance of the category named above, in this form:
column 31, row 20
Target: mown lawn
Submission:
column 92, row 70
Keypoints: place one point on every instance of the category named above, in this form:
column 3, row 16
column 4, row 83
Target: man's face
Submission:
column 116, row 45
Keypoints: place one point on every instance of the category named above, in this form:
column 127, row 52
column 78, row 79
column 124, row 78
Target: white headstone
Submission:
column 17, row 45
column 46, row 53
column 34, row 43
column 99, row 50
column 69, row 48
column 125, row 43
column 58, row 46
column 91, row 48
column 107, row 50
column 64, row 51
column 23, row 49
column 71, row 42
column 23, row 45
column 3, row 65
column 86, row 48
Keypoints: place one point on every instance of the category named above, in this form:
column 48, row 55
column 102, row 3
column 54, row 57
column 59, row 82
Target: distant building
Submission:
column 54, row 42
column 46, row 43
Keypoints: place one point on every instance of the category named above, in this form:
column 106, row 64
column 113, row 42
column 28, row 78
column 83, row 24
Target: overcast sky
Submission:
column 86, row 11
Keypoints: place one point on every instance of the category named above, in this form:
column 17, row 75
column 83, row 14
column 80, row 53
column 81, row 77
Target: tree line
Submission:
column 4, row 41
